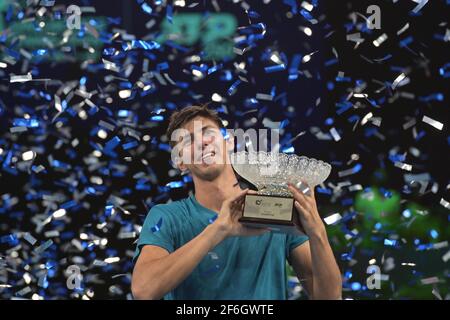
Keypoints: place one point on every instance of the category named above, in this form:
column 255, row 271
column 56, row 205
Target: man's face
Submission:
column 202, row 149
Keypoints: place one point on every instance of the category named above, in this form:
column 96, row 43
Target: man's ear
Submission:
column 177, row 162
column 182, row 167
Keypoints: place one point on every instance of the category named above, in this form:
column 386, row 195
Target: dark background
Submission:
column 140, row 175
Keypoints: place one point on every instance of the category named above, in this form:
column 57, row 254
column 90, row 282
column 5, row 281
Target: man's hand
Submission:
column 326, row 282
column 307, row 211
column 230, row 212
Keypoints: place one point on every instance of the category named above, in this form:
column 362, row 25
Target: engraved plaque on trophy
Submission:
column 273, row 205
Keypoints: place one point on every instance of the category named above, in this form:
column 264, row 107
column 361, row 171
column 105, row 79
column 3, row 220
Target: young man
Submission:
column 195, row 248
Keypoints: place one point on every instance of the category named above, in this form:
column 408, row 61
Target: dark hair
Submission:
column 181, row 117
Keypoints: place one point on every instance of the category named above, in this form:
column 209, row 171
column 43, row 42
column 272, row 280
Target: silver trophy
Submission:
column 273, row 205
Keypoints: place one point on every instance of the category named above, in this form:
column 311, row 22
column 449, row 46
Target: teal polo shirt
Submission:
column 237, row 268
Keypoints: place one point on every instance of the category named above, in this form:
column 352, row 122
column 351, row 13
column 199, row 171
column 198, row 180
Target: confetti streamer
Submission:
column 398, row 80
column 157, row 226
column 83, row 155
column 421, row 4
column 438, row 125
column 21, row 78
column 332, row 219
column 444, row 203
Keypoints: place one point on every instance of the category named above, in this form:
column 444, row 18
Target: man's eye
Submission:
column 210, row 132
column 183, row 143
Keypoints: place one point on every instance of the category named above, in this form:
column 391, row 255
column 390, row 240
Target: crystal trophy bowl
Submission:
column 270, row 172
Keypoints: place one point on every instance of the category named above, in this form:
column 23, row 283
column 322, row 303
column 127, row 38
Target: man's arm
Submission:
column 316, row 268
column 300, row 260
column 158, row 272
column 314, row 261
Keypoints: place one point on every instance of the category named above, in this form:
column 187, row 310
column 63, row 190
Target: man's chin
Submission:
column 208, row 172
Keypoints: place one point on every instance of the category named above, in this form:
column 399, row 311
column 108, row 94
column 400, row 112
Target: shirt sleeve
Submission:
column 158, row 230
column 293, row 241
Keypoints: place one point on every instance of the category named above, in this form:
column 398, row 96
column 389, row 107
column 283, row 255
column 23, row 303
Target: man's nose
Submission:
column 207, row 139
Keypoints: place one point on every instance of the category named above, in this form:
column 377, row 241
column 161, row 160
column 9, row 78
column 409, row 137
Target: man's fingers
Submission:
column 237, row 209
column 240, row 195
column 239, row 204
column 233, row 201
column 298, row 196
column 303, row 188
column 301, row 209
column 241, row 200
column 313, row 194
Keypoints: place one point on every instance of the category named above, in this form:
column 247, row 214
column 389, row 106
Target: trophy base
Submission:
column 268, row 211
column 274, row 227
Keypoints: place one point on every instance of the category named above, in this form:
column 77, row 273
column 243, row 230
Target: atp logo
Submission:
column 3, row 8
column 73, row 15
column 214, row 33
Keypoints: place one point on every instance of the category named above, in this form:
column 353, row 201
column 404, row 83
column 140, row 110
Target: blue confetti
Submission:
column 275, row 68
column 157, row 226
